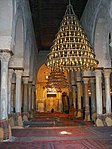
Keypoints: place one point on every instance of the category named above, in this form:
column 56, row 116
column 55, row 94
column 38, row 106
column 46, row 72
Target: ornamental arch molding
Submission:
column 19, row 39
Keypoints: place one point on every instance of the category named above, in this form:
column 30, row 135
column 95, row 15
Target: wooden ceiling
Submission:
column 47, row 16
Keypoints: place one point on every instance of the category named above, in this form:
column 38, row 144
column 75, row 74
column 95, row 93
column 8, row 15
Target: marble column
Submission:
column 74, row 89
column 98, row 73
column 35, row 105
column 79, row 85
column 33, row 97
column 18, row 90
column 70, row 88
column 107, row 89
column 10, row 100
column 60, row 101
column 29, row 96
column 93, row 97
column 86, row 99
column 25, row 93
column 12, row 97
column 79, row 94
column 4, row 57
column 104, row 99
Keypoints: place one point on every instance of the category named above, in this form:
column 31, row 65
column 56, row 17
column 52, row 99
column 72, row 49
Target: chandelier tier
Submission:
column 56, row 80
column 71, row 49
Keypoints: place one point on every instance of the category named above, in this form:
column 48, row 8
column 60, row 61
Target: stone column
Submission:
column 70, row 88
column 18, row 90
column 33, row 97
column 93, row 97
column 10, row 100
column 78, row 81
column 79, row 93
column 4, row 57
column 25, row 93
column 107, row 89
column 74, row 89
column 29, row 96
column 104, row 98
column 12, row 97
column 98, row 73
column 60, row 101
column 35, row 105
column 86, row 98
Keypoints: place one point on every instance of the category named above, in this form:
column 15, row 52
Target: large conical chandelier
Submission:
column 56, row 80
column 71, row 49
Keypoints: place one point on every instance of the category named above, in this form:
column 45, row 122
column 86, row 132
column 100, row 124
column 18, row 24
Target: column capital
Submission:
column 5, row 55
column 30, row 78
column 78, row 76
column 107, row 72
column 19, row 73
column 25, row 79
column 98, row 72
column 85, row 80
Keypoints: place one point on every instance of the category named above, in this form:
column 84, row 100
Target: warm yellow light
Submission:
column 74, row 46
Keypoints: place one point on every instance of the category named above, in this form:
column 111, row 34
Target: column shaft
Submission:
column 99, row 91
column 93, row 99
column 18, row 90
column 12, row 97
column 87, row 111
column 25, row 94
column 25, row 100
column 70, row 88
column 79, row 95
column 29, row 96
column 4, row 91
column 4, row 57
column 74, row 89
column 9, row 91
column 107, row 90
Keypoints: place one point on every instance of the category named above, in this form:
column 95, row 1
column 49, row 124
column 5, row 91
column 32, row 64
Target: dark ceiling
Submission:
column 47, row 16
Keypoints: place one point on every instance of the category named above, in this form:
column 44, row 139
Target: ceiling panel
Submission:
column 47, row 16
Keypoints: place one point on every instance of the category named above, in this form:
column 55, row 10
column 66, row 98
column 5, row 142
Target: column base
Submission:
column 5, row 129
column 25, row 116
column 104, row 120
column 79, row 113
column 19, row 121
column 94, row 116
column 87, row 116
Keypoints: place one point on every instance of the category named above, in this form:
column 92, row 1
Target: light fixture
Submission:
column 56, row 80
column 71, row 49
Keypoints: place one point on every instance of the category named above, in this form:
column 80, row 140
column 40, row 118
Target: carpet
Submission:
column 73, row 144
column 52, row 132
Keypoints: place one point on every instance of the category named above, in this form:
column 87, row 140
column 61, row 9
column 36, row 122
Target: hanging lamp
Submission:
column 71, row 49
column 56, row 80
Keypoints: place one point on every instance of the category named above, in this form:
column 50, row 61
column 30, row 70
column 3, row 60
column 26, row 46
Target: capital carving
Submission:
column 5, row 56
column 85, row 80
column 98, row 73
column 25, row 79
column 19, row 73
column 107, row 72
